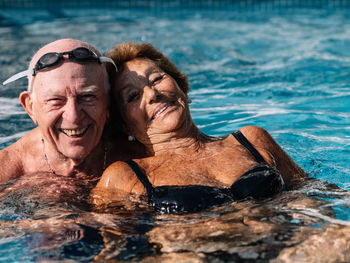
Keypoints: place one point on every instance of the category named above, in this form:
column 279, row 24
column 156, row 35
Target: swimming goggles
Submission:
column 52, row 59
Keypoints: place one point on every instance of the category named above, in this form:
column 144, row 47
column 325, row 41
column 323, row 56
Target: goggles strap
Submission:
column 107, row 59
column 28, row 71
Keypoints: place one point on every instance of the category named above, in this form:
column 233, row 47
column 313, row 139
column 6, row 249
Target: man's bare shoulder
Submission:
column 11, row 165
column 15, row 158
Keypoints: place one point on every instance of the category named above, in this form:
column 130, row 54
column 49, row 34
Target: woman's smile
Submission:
column 161, row 110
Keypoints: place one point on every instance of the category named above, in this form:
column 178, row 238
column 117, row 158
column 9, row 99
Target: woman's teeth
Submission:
column 161, row 110
column 75, row 132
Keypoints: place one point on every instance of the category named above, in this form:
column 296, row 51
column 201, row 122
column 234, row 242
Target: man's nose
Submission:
column 72, row 111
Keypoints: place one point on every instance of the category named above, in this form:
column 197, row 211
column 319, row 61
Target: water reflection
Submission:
column 297, row 225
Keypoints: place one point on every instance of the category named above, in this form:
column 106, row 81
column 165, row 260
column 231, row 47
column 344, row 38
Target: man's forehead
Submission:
column 67, row 90
column 71, row 74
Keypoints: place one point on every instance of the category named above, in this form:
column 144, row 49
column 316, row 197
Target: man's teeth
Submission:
column 75, row 132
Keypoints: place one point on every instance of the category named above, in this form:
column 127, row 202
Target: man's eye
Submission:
column 132, row 96
column 88, row 98
column 55, row 101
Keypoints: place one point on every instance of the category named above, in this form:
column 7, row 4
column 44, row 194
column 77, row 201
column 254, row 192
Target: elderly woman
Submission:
column 187, row 170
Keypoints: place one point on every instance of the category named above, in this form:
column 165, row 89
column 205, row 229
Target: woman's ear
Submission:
column 125, row 129
column 27, row 103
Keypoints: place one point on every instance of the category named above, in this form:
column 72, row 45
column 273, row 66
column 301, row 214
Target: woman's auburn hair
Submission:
column 128, row 51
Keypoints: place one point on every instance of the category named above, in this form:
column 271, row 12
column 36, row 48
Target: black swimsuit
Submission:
column 259, row 182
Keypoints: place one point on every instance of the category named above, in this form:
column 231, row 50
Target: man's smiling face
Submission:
column 70, row 105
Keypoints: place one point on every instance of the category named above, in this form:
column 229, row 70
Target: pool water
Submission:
column 284, row 69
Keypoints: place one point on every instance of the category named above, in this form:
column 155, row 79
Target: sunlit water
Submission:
column 286, row 70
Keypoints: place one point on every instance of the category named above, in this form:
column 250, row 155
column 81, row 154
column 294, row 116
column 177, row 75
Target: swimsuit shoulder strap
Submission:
column 244, row 141
column 141, row 176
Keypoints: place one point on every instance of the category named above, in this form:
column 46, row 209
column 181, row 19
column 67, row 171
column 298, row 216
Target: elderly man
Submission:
column 67, row 98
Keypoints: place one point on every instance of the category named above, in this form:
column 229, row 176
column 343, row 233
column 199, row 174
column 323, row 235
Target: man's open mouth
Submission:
column 74, row 132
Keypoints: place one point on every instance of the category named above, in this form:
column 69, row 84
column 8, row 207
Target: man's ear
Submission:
column 27, row 103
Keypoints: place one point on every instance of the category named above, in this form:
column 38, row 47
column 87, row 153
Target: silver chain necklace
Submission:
column 53, row 171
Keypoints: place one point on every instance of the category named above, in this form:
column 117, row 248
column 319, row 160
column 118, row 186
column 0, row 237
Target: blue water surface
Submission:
column 286, row 70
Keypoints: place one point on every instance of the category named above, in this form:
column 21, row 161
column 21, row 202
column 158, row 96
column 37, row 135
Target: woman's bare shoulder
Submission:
column 261, row 139
column 258, row 136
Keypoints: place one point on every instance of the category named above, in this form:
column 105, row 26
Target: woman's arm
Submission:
column 260, row 138
column 117, row 182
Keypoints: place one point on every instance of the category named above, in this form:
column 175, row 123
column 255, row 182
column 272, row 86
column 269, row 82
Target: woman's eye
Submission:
column 157, row 79
column 132, row 96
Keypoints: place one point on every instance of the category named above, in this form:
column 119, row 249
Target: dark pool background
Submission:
column 281, row 65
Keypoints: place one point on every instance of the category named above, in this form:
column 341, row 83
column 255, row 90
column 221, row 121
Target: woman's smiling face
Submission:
column 150, row 101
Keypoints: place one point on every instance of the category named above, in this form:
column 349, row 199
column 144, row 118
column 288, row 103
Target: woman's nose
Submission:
column 151, row 94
